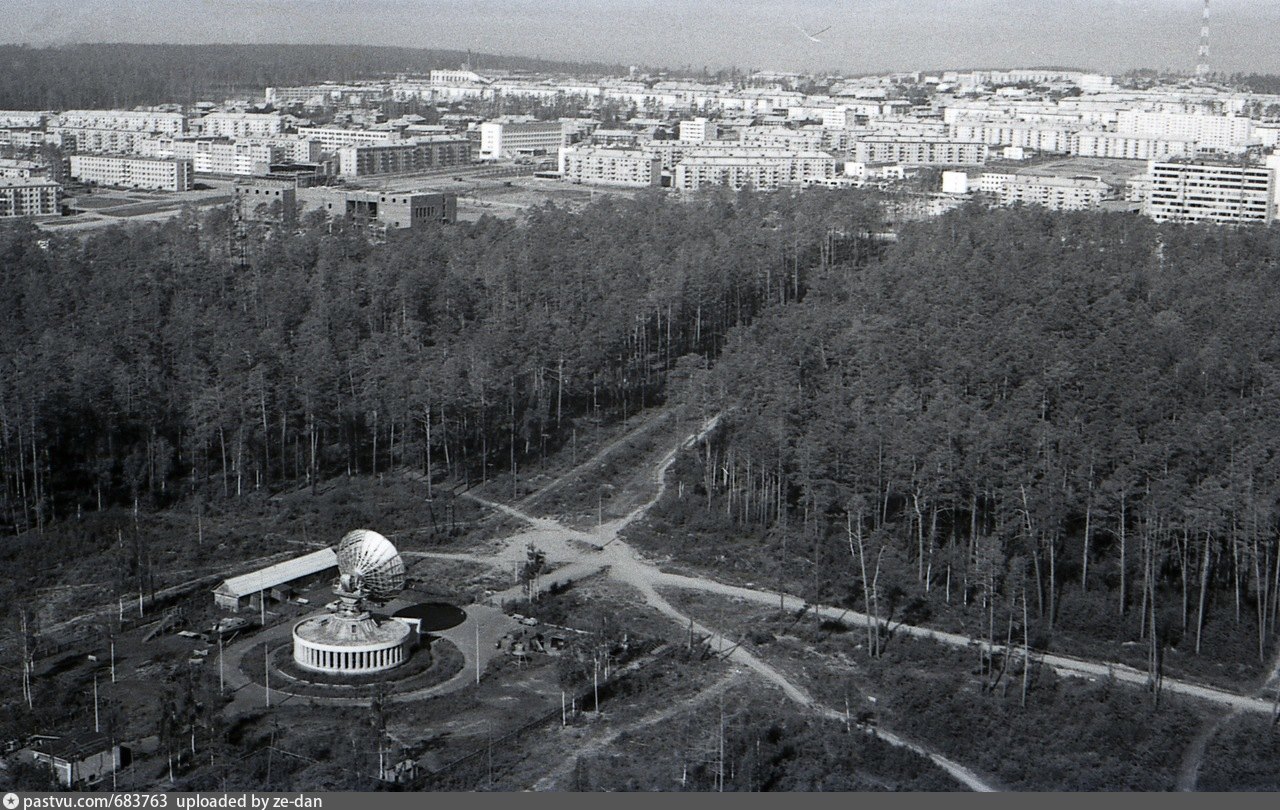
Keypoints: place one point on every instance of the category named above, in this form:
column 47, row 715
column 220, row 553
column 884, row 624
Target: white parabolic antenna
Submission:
column 368, row 563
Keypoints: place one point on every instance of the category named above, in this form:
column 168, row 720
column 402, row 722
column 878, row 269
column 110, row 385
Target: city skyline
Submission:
column 864, row 36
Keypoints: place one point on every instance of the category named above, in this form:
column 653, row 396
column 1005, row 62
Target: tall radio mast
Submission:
column 1202, row 60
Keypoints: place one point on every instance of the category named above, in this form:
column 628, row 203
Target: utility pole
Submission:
column 266, row 671
column 477, row 655
column 220, row 677
column 113, row 659
column 97, row 726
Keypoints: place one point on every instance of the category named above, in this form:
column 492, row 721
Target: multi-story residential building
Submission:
column 132, row 171
column 21, row 169
column 919, row 151
column 699, row 130
column 1218, row 133
column 507, row 138
column 1095, row 143
column 1203, row 191
column 331, row 139
column 28, row 197
column 610, row 166
column 239, row 124
column 1053, row 192
column 762, row 169
column 22, row 119
column 800, row 140
column 325, row 95
column 1027, row 134
column 99, row 140
column 169, row 123
column 416, row 155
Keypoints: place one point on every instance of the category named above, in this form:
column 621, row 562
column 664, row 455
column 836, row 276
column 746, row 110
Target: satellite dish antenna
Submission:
column 369, row 567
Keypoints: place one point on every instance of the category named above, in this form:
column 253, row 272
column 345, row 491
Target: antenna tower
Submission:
column 1202, row 60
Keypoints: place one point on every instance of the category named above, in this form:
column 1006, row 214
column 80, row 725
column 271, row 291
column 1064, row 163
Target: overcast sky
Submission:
column 865, row 35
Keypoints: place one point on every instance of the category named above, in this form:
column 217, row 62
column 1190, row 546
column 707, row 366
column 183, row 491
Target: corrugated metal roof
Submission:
column 279, row 574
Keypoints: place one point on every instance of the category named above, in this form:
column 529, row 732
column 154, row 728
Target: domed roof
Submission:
column 359, row 632
column 370, row 558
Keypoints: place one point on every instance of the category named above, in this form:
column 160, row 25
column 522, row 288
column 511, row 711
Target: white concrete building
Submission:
column 1095, row 143
column 919, row 151
column 762, row 169
column 699, row 130
column 608, row 166
column 331, row 139
column 416, row 155
column 507, row 138
column 1211, row 192
column 170, row 123
column 239, row 124
column 21, row 169
column 29, row 197
column 1222, row 133
column 132, row 171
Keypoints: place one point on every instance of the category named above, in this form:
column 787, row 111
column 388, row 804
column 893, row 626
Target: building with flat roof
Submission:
column 505, row 139
column 239, row 124
column 1201, row 191
column 29, row 197
column 171, row 123
column 610, row 166
column 762, row 169
column 264, row 199
column 133, row 171
column 392, row 209
column 919, row 151
column 21, row 169
column 332, row 139
column 419, row 154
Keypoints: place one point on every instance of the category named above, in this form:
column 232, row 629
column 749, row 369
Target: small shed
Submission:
column 79, row 759
column 239, row 592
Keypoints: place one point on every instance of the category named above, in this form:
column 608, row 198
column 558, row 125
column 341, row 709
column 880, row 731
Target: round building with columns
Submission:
column 350, row 640
column 351, row 644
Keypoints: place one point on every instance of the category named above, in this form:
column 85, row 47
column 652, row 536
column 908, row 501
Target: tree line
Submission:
column 108, row 75
column 200, row 358
column 1067, row 415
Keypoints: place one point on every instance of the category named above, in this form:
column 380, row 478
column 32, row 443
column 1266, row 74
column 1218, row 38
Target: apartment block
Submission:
column 1222, row 133
column 600, row 165
column 919, row 152
column 331, row 139
column 417, row 155
column 21, row 169
column 239, row 124
column 169, row 123
column 133, row 171
column 1095, row 143
column 29, row 197
column 762, row 169
column 1203, row 191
